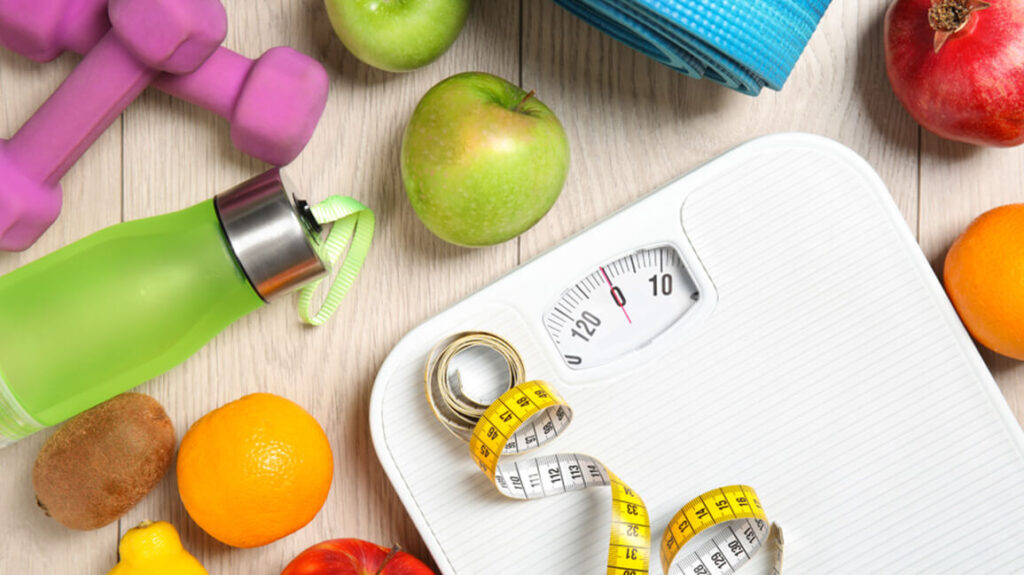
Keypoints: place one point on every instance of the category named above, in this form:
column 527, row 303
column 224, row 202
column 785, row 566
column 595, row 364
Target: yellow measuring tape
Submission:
column 715, row 533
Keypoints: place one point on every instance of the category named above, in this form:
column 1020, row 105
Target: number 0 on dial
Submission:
column 620, row 306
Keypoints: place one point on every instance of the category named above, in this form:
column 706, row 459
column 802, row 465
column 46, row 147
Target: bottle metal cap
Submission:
column 273, row 240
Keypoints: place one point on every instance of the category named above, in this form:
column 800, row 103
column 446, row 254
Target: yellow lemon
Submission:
column 155, row 549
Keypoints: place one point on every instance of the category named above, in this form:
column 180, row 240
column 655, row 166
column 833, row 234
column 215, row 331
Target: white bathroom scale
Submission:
column 765, row 320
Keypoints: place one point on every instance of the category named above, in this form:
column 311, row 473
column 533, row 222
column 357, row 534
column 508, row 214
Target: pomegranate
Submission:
column 958, row 67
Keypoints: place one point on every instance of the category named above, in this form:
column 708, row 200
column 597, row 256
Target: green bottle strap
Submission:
column 352, row 226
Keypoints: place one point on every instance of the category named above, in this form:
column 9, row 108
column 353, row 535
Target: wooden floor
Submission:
column 632, row 124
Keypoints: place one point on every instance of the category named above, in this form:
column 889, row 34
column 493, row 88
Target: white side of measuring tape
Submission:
column 716, row 533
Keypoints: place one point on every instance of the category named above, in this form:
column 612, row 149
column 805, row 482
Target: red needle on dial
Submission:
column 622, row 305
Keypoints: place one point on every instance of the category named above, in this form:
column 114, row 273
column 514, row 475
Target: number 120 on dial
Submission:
column 620, row 307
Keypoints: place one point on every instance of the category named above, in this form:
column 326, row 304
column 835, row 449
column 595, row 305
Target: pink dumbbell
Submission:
column 147, row 37
column 272, row 103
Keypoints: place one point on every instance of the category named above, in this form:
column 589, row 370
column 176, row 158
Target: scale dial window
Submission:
column 620, row 306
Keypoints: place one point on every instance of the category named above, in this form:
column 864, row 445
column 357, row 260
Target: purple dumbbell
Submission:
column 43, row 30
column 147, row 37
column 272, row 103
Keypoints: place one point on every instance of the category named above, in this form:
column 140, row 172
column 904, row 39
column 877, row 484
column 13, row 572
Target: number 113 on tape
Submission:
column 714, row 534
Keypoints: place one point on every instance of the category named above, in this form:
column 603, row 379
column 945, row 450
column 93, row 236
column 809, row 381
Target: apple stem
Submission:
column 391, row 555
column 519, row 106
column 947, row 17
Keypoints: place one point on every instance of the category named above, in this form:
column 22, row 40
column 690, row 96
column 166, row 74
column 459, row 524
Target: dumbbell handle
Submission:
column 90, row 25
column 273, row 103
column 78, row 112
column 215, row 85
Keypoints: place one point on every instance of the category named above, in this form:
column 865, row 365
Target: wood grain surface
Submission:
column 633, row 124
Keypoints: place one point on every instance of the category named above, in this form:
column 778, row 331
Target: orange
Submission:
column 984, row 276
column 254, row 470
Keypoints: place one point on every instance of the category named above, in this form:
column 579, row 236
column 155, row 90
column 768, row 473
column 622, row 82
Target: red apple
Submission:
column 354, row 557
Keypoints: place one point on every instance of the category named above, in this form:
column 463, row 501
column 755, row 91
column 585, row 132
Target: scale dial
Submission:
column 620, row 307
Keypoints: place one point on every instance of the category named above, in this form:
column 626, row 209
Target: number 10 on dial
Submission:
column 620, row 306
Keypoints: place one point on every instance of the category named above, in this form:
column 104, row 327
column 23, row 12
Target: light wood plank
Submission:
column 958, row 183
column 34, row 543
column 409, row 275
column 635, row 124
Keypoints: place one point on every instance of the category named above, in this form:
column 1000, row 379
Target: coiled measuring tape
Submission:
column 715, row 533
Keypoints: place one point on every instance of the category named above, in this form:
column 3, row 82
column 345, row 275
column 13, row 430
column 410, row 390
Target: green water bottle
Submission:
column 132, row 301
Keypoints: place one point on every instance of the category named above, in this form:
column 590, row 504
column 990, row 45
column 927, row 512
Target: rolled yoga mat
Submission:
column 742, row 44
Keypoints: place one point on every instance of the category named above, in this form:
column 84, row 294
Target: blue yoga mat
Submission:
column 743, row 44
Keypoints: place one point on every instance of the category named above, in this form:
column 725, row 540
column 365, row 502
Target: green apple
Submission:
column 397, row 35
column 482, row 160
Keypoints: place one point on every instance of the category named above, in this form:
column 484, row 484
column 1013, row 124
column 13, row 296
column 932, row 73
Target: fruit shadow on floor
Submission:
column 947, row 150
column 349, row 76
column 938, row 259
column 211, row 136
column 1008, row 372
column 19, row 460
column 194, row 538
column 340, row 63
column 885, row 111
column 1000, row 365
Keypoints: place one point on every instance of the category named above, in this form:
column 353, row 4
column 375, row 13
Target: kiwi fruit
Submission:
column 103, row 461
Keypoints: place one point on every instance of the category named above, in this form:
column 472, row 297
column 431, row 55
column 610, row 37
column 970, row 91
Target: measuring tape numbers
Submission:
column 714, row 534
